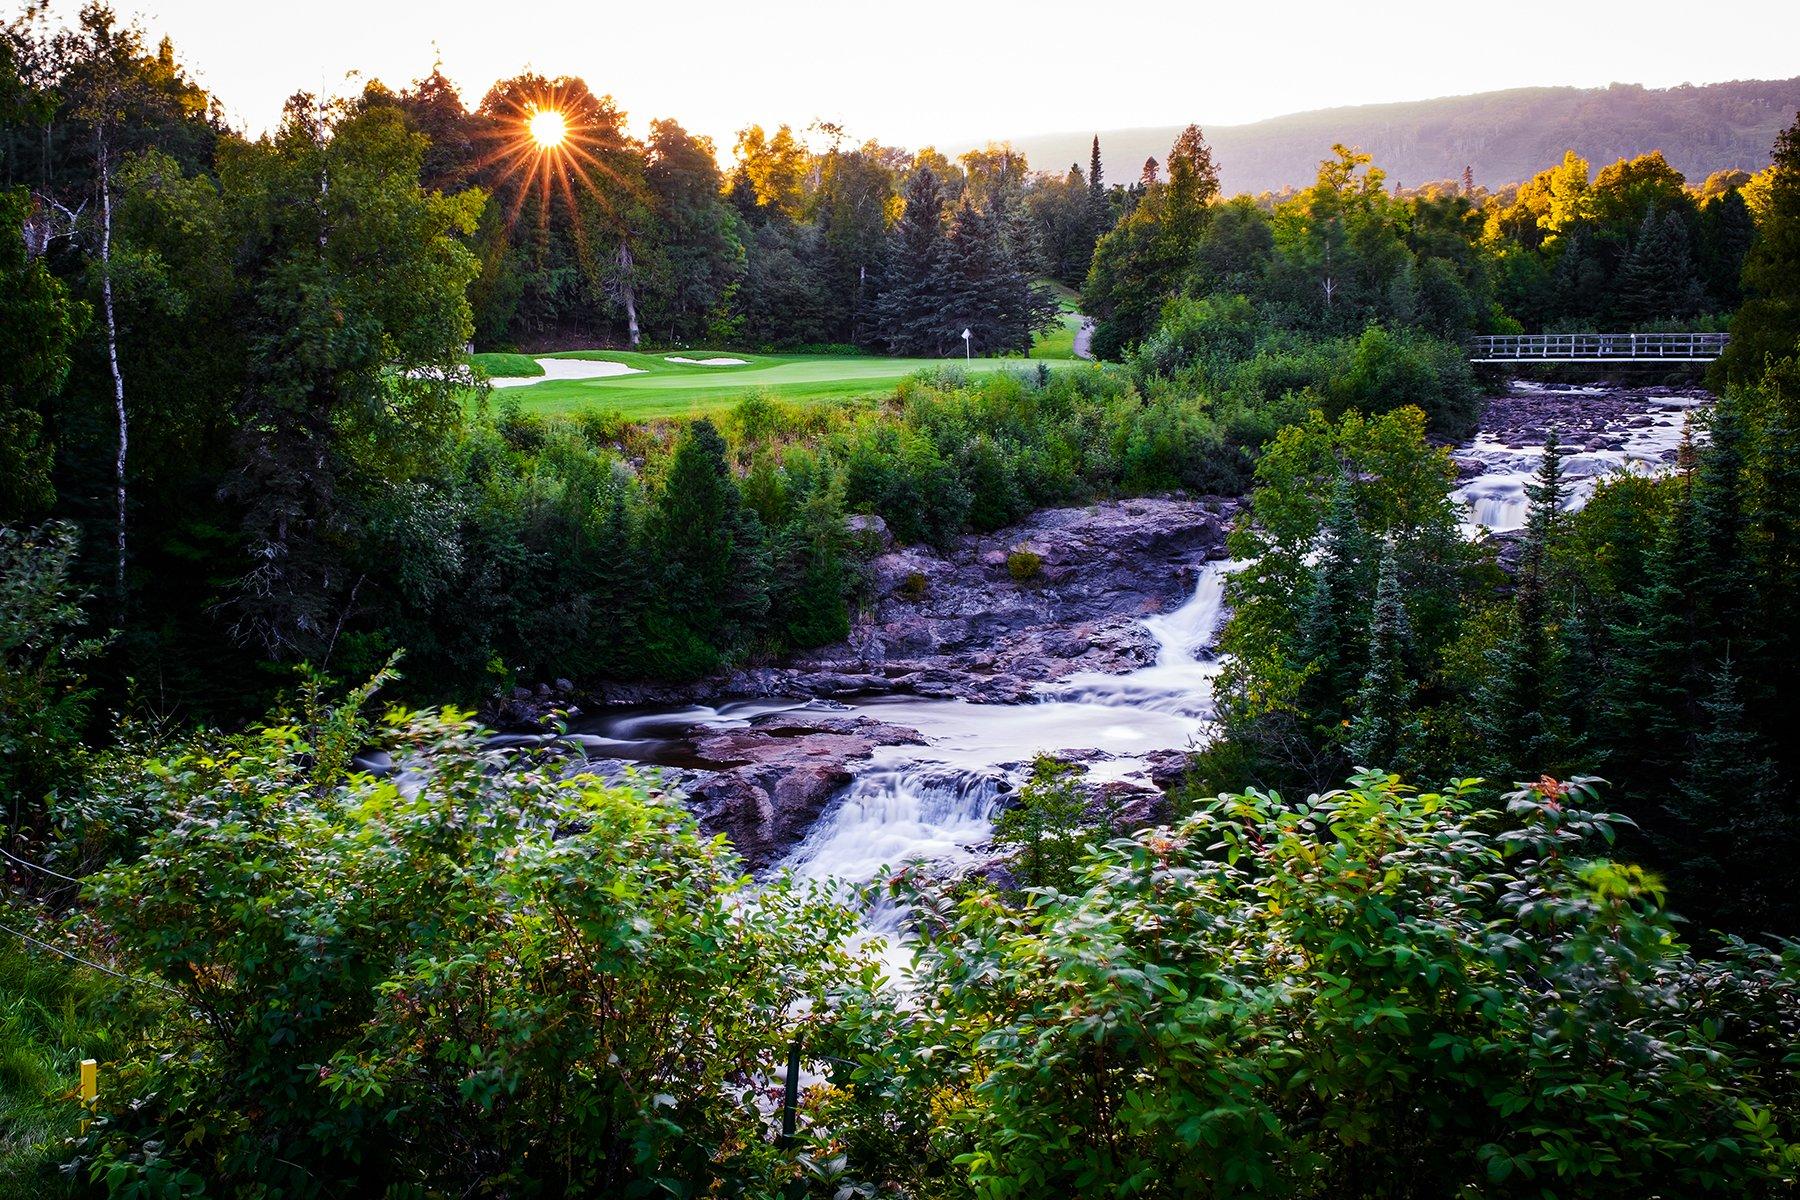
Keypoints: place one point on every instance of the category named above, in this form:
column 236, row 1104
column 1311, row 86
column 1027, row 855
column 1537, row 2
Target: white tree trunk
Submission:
column 628, row 292
column 112, row 350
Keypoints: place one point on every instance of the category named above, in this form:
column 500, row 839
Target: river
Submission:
column 935, row 801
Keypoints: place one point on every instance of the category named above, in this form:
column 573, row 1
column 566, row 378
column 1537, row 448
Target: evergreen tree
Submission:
column 1521, row 710
column 1658, row 279
column 698, row 519
column 1382, row 728
column 1099, row 212
column 1643, row 692
column 1728, row 826
column 1771, row 558
column 915, row 287
column 1726, row 233
column 1718, row 585
column 1768, row 325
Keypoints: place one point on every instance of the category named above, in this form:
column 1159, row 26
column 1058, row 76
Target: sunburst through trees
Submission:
column 554, row 150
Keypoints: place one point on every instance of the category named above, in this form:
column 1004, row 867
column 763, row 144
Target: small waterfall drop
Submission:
column 937, row 802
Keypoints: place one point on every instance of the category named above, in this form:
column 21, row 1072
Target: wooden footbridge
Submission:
column 1596, row 347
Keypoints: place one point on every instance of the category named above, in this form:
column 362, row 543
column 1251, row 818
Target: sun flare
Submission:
column 548, row 129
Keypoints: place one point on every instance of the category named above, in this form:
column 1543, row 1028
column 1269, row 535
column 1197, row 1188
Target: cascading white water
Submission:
column 1496, row 498
column 936, row 802
column 1181, row 679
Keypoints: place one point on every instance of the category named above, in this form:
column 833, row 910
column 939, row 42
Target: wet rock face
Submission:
column 1060, row 593
column 764, row 784
column 961, row 624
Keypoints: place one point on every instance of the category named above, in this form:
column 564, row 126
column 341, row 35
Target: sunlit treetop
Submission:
column 549, row 141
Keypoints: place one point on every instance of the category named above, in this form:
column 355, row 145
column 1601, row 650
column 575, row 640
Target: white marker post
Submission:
column 967, row 355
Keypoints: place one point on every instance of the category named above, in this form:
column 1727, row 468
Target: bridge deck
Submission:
column 1596, row 347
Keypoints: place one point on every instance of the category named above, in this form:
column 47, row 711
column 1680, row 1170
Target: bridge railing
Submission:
column 1596, row 347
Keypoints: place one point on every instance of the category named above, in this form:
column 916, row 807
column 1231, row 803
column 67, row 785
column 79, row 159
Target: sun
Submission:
column 548, row 129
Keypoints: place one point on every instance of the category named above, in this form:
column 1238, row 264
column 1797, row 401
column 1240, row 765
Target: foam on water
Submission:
column 936, row 802
column 1496, row 498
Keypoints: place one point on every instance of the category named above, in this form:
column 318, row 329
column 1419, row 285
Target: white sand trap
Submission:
column 708, row 362
column 571, row 368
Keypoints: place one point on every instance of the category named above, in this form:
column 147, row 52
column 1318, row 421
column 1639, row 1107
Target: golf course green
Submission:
column 660, row 388
column 679, row 383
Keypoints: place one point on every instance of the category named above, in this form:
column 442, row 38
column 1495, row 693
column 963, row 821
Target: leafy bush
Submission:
column 474, row 976
column 1372, row 992
column 1024, row 564
column 44, row 696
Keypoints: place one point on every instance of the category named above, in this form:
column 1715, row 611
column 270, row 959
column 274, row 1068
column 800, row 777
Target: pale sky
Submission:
column 958, row 74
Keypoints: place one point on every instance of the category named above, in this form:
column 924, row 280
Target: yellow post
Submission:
column 90, row 1087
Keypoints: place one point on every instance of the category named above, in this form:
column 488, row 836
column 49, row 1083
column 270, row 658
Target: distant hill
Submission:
column 1505, row 136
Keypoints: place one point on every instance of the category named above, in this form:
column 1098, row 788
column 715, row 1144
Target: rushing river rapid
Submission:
column 936, row 801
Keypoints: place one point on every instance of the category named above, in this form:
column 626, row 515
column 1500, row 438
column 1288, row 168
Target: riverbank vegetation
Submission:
column 251, row 491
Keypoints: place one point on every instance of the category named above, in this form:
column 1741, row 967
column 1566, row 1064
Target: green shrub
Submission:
column 1048, row 828
column 1024, row 564
column 44, row 697
column 914, row 586
column 478, row 978
column 1371, row 992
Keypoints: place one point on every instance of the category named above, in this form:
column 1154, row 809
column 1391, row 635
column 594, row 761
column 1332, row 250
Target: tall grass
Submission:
column 53, row 1014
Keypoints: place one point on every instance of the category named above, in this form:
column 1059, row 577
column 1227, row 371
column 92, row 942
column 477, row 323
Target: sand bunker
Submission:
column 708, row 362
column 571, row 368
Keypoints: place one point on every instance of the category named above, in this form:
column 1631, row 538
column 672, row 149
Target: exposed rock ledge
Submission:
column 958, row 624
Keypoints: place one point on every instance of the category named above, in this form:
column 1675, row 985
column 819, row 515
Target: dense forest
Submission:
column 1483, row 885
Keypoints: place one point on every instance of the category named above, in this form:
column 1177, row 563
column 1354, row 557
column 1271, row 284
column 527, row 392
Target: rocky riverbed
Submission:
column 1082, row 631
column 958, row 631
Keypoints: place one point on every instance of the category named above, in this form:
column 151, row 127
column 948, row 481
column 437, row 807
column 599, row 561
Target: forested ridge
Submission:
column 1501, row 136
column 1482, row 884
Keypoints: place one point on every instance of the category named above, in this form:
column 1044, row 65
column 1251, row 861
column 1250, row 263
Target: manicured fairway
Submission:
column 666, row 389
column 1059, row 342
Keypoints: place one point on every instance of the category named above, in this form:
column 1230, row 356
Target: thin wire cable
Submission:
column 38, row 866
column 84, row 962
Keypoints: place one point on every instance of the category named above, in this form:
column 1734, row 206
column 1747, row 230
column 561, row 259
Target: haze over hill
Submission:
column 1504, row 136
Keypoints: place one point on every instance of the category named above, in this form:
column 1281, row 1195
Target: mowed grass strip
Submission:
column 666, row 389
column 1059, row 341
column 500, row 365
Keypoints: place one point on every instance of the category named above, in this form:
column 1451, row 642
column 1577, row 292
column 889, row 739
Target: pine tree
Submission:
column 989, row 291
column 1718, row 584
column 1521, row 710
column 1658, row 279
column 714, row 558
column 977, row 261
column 1729, row 829
column 910, row 313
column 1382, row 729
column 1771, row 560
column 1768, row 325
column 1643, row 697
column 1099, row 212
column 1727, row 231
